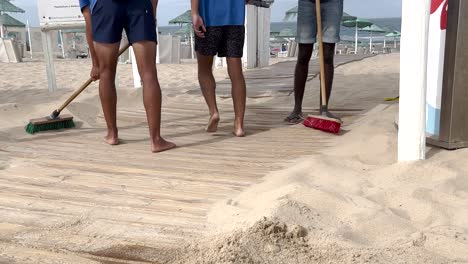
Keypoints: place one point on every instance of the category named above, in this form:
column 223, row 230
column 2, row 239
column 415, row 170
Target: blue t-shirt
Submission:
column 222, row 12
column 85, row 3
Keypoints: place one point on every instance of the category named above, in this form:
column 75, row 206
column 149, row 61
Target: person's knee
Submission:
column 328, row 59
column 303, row 61
column 304, row 58
column 235, row 73
column 204, row 70
column 106, row 71
column 329, row 53
column 149, row 77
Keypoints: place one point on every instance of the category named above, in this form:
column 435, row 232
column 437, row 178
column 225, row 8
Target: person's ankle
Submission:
column 297, row 109
column 113, row 132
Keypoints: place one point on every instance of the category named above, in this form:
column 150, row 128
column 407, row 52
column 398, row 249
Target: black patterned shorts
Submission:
column 224, row 41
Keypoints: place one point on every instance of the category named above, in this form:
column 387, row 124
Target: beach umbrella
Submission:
column 373, row 29
column 347, row 17
column 387, row 30
column 394, row 35
column 357, row 23
column 261, row 3
column 6, row 6
column 185, row 19
column 279, row 40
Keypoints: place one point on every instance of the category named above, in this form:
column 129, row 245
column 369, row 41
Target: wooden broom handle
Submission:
column 321, row 58
column 86, row 84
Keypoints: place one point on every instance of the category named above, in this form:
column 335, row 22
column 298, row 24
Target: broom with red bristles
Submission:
column 323, row 122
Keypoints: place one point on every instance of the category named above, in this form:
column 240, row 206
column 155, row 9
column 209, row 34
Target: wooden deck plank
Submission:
column 125, row 194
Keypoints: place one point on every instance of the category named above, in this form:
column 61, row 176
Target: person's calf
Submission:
column 239, row 94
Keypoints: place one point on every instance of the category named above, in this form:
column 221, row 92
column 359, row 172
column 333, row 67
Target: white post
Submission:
column 263, row 46
column 370, row 43
column 29, row 39
column 49, row 58
column 251, row 38
column 413, row 80
column 355, row 47
column 384, row 42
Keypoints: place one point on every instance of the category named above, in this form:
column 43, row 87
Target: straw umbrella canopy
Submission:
column 10, row 21
column 185, row 19
column 286, row 33
column 373, row 29
column 291, row 13
column 6, row 6
column 347, row 17
column 357, row 23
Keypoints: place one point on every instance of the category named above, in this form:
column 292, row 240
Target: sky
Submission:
column 169, row 9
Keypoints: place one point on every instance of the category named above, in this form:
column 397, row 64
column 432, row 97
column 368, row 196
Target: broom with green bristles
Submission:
column 55, row 121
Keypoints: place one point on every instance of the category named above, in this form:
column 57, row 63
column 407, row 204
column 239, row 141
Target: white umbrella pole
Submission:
column 356, row 39
column 192, row 45
column 61, row 41
column 1, row 27
column 385, row 42
column 413, row 80
column 29, row 39
column 370, row 43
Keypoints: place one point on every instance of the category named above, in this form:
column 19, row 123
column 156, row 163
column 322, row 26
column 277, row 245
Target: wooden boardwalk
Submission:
column 84, row 195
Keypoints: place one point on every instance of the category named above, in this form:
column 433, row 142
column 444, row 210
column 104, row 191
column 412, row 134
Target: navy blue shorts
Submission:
column 111, row 17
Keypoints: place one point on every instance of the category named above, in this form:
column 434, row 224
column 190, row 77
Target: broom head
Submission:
column 47, row 123
column 323, row 123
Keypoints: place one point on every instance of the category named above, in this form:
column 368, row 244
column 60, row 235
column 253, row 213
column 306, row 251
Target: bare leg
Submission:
column 208, row 87
column 145, row 53
column 329, row 56
column 239, row 94
column 107, row 57
column 300, row 79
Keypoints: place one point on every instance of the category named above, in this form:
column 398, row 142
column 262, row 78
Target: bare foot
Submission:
column 213, row 123
column 112, row 139
column 161, row 145
column 239, row 131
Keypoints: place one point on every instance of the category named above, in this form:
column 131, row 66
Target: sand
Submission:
column 352, row 203
column 349, row 203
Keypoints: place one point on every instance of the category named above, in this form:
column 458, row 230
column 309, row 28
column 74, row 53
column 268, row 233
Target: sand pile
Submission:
column 272, row 241
column 352, row 204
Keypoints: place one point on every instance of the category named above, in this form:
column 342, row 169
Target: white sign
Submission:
column 59, row 12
